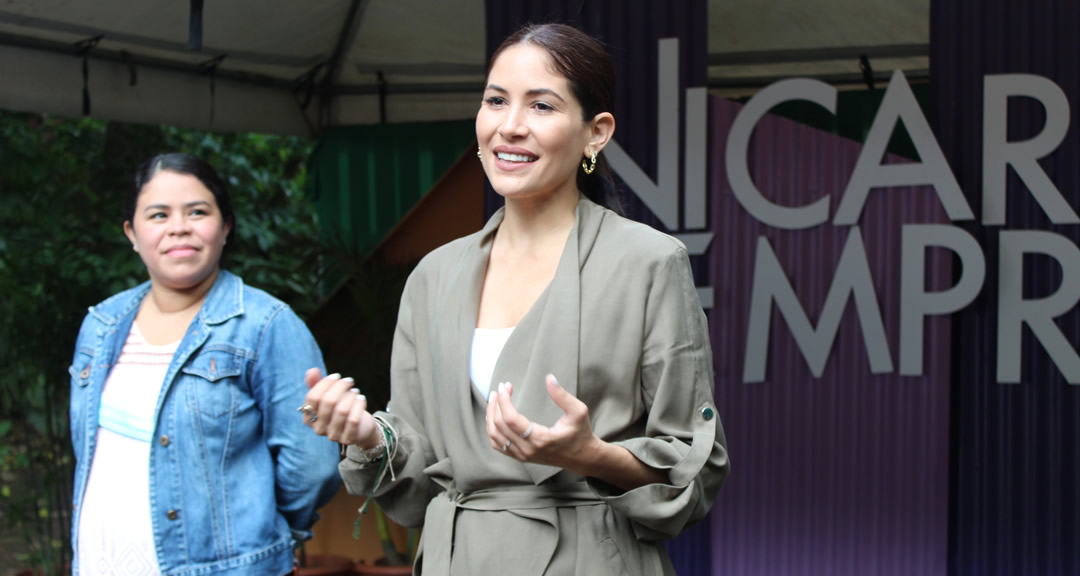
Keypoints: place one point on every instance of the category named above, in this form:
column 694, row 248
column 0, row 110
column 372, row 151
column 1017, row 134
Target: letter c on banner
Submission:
column 738, row 143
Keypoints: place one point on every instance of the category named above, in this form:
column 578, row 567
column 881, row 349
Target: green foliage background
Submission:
column 62, row 249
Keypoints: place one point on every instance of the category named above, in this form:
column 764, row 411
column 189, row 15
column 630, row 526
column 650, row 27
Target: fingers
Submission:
column 337, row 410
column 347, row 419
column 316, row 391
column 338, row 413
column 516, row 436
column 312, row 377
column 314, row 397
column 328, row 409
column 573, row 407
column 505, row 441
column 351, row 429
column 509, row 425
column 494, row 437
column 496, row 426
column 321, row 400
column 511, row 422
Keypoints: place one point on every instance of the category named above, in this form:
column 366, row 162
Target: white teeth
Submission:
column 515, row 157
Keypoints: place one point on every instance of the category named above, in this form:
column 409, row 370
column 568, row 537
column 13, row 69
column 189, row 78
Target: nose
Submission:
column 179, row 225
column 514, row 124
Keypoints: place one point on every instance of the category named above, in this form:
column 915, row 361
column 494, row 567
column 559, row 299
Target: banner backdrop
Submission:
column 895, row 340
column 844, row 473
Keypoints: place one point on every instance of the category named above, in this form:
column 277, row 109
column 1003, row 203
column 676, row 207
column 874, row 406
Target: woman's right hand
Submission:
column 340, row 411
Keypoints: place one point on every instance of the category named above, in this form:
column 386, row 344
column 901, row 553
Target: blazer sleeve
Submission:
column 405, row 490
column 683, row 434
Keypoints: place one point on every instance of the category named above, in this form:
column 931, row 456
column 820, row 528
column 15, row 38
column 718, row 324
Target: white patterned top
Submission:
column 115, row 534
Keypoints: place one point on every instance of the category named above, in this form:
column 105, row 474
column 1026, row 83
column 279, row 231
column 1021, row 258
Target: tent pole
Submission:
column 333, row 69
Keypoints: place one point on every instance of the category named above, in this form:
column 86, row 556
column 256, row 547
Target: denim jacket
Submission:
column 235, row 476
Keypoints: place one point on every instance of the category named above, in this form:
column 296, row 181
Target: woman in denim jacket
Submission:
column 190, row 455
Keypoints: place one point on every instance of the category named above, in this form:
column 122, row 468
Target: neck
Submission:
column 172, row 300
column 534, row 222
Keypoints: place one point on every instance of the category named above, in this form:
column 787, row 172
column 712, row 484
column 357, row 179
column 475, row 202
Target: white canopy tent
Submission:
column 289, row 67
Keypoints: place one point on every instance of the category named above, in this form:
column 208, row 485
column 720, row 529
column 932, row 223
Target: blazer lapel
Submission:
column 546, row 341
column 459, row 307
column 554, row 330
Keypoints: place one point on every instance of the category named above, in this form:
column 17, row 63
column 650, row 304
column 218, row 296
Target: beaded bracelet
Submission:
column 388, row 448
column 366, row 457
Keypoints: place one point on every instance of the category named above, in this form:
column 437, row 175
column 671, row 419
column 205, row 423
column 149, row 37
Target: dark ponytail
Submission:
column 589, row 71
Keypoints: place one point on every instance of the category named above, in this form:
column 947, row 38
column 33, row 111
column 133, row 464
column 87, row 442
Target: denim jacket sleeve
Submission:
column 305, row 464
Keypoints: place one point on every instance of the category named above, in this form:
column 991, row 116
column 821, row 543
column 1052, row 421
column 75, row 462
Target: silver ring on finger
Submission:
column 506, row 446
column 308, row 410
column 528, row 430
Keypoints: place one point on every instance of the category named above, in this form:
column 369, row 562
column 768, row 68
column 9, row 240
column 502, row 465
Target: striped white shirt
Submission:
column 115, row 534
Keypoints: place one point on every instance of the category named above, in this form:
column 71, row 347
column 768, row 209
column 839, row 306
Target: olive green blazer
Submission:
column 622, row 329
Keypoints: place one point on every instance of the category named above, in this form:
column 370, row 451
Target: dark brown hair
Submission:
column 588, row 68
column 181, row 164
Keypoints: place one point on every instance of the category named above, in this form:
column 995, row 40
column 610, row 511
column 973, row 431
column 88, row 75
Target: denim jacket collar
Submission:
column 224, row 301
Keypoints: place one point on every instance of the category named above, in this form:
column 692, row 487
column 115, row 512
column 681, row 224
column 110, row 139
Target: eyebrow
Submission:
column 166, row 206
column 532, row 92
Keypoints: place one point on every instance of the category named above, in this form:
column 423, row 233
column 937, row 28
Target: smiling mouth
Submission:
column 515, row 157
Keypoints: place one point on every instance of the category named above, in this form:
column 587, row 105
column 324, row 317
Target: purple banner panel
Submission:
column 845, row 474
column 1016, row 446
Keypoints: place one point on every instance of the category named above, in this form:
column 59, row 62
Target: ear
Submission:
column 228, row 227
column 129, row 231
column 601, row 129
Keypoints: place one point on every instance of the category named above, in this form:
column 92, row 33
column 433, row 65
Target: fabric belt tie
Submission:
column 441, row 512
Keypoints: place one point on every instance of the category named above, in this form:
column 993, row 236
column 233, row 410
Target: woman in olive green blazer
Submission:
column 597, row 438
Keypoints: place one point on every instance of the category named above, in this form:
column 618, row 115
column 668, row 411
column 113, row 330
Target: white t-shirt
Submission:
column 487, row 345
column 115, row 534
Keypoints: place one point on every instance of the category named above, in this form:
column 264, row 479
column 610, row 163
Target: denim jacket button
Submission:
column 164, row 440
column 85, row 372
column 172, row 514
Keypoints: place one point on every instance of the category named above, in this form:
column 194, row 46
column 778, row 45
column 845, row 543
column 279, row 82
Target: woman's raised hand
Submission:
column 335, row 408
column 569, row 444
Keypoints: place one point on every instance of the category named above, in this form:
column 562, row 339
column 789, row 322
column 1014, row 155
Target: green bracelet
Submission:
column 388, row 443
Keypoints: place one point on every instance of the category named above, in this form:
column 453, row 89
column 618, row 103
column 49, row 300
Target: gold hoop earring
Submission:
column 589, row 168
column 479, row 154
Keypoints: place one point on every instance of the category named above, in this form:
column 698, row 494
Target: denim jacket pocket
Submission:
column 211, row 379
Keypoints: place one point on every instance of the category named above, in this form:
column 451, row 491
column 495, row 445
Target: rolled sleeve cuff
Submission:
column 662, row 511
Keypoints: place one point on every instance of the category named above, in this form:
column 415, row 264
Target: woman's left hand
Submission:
column 569, row 444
